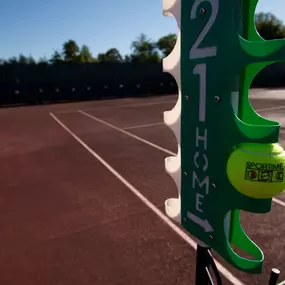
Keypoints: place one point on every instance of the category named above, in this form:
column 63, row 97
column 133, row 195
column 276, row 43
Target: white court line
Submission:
column 125, row 132
column 131, row 105
column 277, row 201
column 143, row 126
column 151, row 206
column 116, row 107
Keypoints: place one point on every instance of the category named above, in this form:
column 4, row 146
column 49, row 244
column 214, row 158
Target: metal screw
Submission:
column 202, row 11
column 186, row 97
column 214, row 185
column 217, row 98
column 185, row 173
column 211, row 237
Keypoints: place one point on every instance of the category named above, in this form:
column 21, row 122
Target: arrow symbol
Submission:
column 203, row 223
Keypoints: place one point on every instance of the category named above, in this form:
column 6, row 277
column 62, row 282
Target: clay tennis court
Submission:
column 82, row 197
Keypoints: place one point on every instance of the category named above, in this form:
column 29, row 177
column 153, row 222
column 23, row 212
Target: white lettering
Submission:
column 198, row 202
column 201, row 69
column 195, row 51
column 202, row 138
column 205, row 159
column 200, row 184
column 198, row 50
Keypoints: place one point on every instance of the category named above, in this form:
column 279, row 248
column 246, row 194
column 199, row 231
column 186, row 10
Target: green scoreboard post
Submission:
column 217, row 54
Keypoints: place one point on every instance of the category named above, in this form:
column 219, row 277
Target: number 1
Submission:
column 201, row 69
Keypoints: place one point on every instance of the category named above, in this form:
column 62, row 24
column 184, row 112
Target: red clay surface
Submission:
column 66, row 219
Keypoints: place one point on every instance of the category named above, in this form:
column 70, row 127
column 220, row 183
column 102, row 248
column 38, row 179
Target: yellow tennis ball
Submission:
column 257, row 169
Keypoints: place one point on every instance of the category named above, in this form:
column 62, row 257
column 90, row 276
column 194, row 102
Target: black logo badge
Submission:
column 264, row 172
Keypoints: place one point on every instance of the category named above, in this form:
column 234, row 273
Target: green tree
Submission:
column 127, row 59
column 56, row 57
column 112, row 55
column 269, row 27
column 166, row 44
column 43, row 60
column 22, row 59
column 12, row 60
column 70, row 50
column 85, row 54
column 144, row 49
column 31, row 60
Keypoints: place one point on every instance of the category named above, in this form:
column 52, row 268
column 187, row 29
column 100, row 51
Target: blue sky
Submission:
column 38, row 27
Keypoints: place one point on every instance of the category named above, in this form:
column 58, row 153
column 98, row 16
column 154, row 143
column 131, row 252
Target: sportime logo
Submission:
column 264, row 172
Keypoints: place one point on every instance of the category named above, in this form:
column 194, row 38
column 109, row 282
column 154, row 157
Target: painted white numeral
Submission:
column 195, row 51
column 201, row 69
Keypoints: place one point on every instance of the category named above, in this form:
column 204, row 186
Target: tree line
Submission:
column 143, row 49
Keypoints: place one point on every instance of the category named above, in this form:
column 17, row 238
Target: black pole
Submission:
column 202, row 266
column 205, row 261
column 274, row 276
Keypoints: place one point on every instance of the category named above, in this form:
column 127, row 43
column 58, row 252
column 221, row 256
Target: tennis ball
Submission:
column 257, row 169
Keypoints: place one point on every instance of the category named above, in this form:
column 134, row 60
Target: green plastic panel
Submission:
column 218, row 54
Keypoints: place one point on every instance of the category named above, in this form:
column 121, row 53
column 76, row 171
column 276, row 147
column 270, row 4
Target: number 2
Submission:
column 195, row 51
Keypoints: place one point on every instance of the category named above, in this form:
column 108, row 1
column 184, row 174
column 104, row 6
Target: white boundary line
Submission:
column 117, row 106
column 125, row 132
column 277, row 201
column 143, row 126
column 132, row 105
column 227, row 274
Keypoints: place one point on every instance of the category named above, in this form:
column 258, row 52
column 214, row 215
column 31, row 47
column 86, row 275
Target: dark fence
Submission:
column 272, row 76
column 20, row 84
